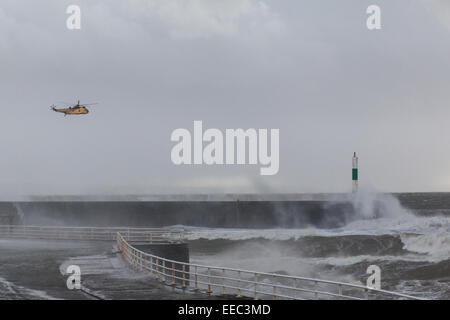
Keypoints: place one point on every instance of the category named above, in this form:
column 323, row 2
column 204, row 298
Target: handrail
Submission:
column 148, row 235
column 239, row 282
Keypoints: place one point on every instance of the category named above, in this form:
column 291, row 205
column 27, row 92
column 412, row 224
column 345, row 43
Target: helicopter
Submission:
column 76, row 109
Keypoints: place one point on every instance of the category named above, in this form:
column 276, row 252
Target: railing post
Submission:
column 274, row 288
column 209, row 281
column 146, row 262
column 164, row 269
column 223, row 282
column 196, row 280
column 256, row 283
column 184, row 276
column 239, row 285
column 173, row 274
column 157, row 268
column 340, row 289
column 151, row 264
column 316, row 295
column 366, row 294
column 138, row 260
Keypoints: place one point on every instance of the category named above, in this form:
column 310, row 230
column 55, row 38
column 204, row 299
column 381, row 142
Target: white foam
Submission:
column 350, row 260
column 436, row 245
column 381, row 226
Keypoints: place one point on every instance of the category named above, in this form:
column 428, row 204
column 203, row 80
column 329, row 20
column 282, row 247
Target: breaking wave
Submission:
column 436, row 246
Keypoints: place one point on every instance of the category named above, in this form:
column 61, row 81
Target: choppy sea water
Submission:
column 411, row 248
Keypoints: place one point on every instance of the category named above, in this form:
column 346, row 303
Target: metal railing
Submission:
column 245, row 283
column 148, row 235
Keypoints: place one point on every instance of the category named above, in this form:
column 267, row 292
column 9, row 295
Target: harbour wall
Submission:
column 213, row 214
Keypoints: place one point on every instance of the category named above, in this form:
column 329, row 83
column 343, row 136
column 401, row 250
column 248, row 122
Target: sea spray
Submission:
column 336, row 211
column 370, row 204
column 19, row 212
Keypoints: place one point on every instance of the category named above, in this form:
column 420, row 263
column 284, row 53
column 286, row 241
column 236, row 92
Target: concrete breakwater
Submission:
column 200, row 211
column 214, row 214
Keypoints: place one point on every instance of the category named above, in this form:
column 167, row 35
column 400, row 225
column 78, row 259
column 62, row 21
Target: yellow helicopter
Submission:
column 76, row 109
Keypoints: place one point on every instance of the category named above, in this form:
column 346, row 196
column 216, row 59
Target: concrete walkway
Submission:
column 31, row 269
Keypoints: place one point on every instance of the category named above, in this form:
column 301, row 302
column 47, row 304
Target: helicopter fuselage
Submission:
column 75, row 110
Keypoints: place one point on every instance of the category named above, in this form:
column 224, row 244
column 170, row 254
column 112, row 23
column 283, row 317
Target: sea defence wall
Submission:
column 9, row 214
column 224, row 212
column 251, row 211
column 214, row 214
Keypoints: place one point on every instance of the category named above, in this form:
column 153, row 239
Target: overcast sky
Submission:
column 310, row 68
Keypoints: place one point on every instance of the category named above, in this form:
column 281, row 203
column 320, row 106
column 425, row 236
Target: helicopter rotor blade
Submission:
column 70, row 104
column 64, row 104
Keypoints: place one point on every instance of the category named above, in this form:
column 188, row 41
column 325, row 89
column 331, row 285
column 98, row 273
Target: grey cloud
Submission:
column 441, row 8
column 311, row 69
